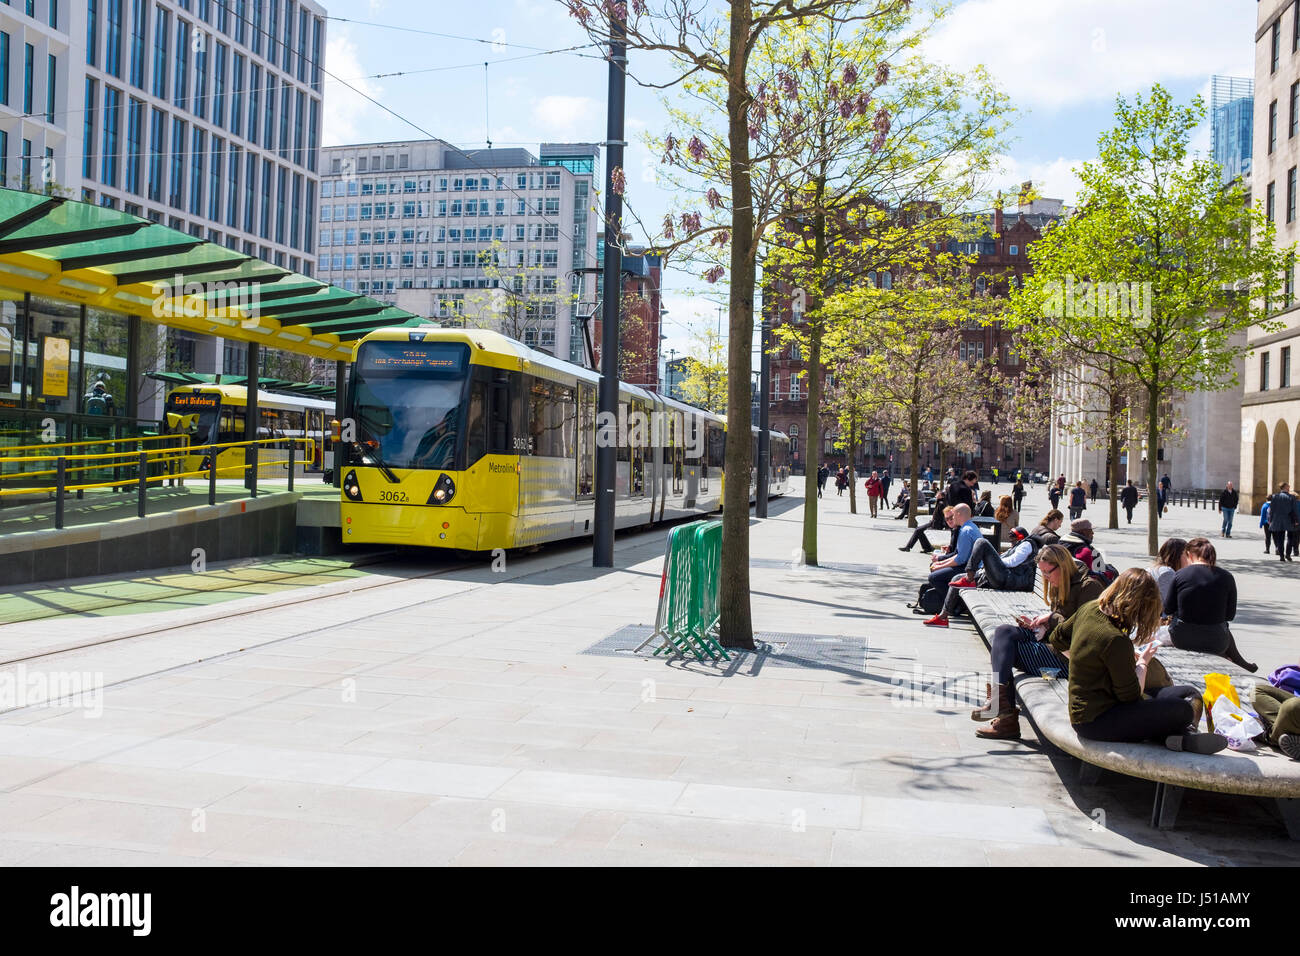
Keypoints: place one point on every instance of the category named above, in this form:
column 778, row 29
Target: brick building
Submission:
column 1001, row 260
column 642, row 313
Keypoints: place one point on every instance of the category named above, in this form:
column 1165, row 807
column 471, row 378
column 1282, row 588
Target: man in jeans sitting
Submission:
column 1000, row 573
column 967, row 534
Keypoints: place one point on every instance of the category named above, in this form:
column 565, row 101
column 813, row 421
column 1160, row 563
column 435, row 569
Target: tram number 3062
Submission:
column 399, row 496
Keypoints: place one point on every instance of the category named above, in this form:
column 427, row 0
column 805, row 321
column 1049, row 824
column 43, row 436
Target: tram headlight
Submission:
column 350, row 486
column 443, row 491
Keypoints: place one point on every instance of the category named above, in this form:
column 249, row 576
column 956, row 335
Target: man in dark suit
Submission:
column 962, row 490
column 1283, row 517
column 1129, row 499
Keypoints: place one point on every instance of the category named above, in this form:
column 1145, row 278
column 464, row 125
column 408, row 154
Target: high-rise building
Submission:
column 1232, row 115
column 1270, row 404
column 493, row 237
column 201, row 115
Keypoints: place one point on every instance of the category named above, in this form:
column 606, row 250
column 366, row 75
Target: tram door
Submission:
column 316, row 432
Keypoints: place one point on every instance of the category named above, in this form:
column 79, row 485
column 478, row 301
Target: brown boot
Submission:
column 988, row 711
column 1006, row 726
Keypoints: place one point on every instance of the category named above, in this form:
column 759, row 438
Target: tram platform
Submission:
column 102, row 532
column 432, row 710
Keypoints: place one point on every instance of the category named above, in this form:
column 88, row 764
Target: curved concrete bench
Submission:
column 1260, row 773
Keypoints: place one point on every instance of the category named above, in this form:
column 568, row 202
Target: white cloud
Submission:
column 1056, row 53
column 567, row 118
column 346, row 113
column 1052, row 178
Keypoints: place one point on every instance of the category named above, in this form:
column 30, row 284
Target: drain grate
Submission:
column 774, row 649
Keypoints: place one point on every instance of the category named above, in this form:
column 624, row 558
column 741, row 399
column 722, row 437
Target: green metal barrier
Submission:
column 687, row 618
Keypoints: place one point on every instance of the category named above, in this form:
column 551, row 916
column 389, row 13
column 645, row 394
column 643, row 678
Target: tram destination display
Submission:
column 405, row 357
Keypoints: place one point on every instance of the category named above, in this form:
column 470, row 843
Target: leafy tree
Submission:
column 905, row 349
column 1158, row 226
column 740, row 174
column 705, row 381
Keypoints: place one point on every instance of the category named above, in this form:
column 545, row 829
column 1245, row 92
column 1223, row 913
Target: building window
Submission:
column 29, row 54
column 1272, row 126
column 1276, row 45
column 108, row 171
column 1263, row 372
column 1284, row 368
column 1295, row 108
column 4, row 68
column 162, row 27
column 179, row 88
column 134, row 144
column 1270, row 201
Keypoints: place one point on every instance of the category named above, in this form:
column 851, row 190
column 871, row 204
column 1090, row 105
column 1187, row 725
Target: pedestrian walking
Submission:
column 1166, row 486
column 873, row 492
column 995, row 476
column 1129, row 499
column 1282, row 519
column 1054, row 496
column 1078, row 500
column 1227, row 508
column 822, row 474
column 1263, row 523
column 841, row 482
column 885, row 479
column 1093, row 488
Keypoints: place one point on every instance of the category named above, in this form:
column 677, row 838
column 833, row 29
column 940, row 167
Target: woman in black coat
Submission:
column 1200, row 602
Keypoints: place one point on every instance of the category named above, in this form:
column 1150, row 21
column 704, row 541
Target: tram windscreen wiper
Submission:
column 371, row 451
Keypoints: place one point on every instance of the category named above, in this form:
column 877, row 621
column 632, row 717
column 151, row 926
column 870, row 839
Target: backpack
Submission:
column 929, row 599
column 96, row 404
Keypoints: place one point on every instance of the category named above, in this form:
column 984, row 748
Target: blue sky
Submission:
column 1062, row 62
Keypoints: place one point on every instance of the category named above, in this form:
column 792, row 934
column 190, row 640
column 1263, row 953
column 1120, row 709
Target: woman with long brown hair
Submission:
column 1067, row 586
column 1107, row 678
column 1007, row 515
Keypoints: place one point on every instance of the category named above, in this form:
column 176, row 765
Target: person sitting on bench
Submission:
column 1015, row 572
column 1067, row 586
column 1200, row 602
column 967, row 533
column 938, row 522
column 1107, row 677
column 1046, row 532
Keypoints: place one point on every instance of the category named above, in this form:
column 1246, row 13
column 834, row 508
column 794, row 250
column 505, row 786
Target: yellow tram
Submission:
column 216, row 415
column 467, row 439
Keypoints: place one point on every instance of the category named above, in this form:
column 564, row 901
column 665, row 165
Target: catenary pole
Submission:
column 764, row 454
column 602, row 552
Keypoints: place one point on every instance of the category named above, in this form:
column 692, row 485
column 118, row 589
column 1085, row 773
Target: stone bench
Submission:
column 1260, row 773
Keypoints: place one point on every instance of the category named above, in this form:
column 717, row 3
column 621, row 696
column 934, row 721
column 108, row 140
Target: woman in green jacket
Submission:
column 1107, row 678
column 1067, row 586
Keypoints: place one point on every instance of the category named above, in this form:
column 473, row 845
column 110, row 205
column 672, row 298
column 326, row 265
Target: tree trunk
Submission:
column 914, row 484
column 1114, row 481
column 853, row 456
column 736, row 624
column 814, row 374
column 1153, row 505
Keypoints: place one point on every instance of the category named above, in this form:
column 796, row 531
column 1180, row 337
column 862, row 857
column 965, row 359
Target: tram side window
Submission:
column 232, row 425
column 693, row 434
column 476, row 422
column 586, row 440
column 551, row 419
column 499, row 421
column 717, row 449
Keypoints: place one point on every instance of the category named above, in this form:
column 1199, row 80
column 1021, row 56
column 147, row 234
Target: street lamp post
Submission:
column 602, row 552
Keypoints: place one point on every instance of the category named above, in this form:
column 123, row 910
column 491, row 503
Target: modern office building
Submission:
column 200, row 115
column 1232, row 117
column 492, row 237
column 1270, row 412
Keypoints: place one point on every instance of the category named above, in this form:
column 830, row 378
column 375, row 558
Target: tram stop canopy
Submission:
column 101, row 257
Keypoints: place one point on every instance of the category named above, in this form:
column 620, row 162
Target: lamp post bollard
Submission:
column 143, row 480
column 60, row 479
column 212, row 476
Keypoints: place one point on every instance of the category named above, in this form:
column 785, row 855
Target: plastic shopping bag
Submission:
column 1239, row 726
column 1217, row 685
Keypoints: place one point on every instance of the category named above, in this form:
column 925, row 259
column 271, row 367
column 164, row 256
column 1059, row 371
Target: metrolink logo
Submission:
column 232, row 300
column 81, row 689
column 1089, row 300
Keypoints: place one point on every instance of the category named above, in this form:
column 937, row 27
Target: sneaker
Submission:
column 1197, row 743
column 963, row 582
column 937, row 621
column 1290, row 745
